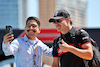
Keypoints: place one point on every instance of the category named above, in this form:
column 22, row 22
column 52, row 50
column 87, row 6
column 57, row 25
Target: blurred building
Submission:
column 76, row 8
column 8, row 13
column 15, row 12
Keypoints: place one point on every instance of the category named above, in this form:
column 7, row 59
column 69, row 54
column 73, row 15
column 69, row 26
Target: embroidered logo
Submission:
column 56, row 13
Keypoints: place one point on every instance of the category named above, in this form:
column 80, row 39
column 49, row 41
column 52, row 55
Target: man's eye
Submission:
column 28, row 26
column 34, row 26
column 58, row 20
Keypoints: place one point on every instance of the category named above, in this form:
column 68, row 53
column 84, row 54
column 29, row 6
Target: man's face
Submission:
column 32, row 28
column 60, row 26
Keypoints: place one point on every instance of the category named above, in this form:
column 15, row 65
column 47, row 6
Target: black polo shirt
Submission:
column 68, row 59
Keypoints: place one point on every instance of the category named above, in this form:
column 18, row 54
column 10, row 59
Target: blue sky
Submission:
column 93, row 14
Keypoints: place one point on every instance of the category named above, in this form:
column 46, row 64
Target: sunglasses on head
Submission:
column 57, row 20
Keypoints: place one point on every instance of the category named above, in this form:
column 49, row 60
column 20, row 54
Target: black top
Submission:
column 68, row 59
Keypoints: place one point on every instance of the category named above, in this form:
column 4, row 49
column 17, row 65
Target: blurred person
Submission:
column 64, row 50
column 27, row 50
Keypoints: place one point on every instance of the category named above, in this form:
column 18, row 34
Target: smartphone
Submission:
column 9, row 29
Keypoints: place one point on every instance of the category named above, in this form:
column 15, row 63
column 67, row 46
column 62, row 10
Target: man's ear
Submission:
column 25, row 27
column 68, row 20
column 39, row 30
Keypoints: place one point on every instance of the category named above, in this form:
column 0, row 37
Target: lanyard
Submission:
column 35, row 52
column 35, row 55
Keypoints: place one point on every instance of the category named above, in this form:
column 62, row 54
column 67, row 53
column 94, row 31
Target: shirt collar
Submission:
column 26, row 38
column 70, row 32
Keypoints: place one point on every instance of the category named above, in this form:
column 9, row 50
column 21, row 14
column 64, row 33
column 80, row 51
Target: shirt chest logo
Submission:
column 59, row 52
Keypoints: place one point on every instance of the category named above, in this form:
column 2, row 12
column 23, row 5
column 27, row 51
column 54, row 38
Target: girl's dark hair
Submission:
column 33, row 18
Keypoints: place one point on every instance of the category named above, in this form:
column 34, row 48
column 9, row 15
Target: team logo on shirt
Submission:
column 59, row 52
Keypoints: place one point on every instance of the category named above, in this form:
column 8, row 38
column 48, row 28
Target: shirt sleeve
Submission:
column 10, row 49
column 46, row 50
column 84, row 37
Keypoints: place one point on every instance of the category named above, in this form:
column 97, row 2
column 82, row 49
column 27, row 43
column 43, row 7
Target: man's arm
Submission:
column 55, row 62
column 85, row 53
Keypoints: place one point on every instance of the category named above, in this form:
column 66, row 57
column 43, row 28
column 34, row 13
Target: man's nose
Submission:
column 31, row 27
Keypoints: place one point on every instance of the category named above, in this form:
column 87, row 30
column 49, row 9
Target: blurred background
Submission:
column 84, row 14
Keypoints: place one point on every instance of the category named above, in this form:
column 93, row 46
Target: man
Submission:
column 66, row 51
column 27, row 50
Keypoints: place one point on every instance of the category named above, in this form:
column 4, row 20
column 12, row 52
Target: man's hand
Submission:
column 64, row 46
column 8, row 38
